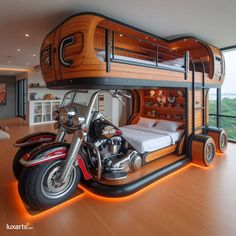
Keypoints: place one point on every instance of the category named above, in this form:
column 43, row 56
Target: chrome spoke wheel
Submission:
column 51, row 186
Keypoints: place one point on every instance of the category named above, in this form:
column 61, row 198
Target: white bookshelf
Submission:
column 40, row 111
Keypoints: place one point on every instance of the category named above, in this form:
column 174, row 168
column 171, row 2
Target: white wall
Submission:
column 36, row 77
column 114, row 110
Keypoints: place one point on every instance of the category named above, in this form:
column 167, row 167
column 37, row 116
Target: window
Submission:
column 213, row 107
column 228, row 96
column 225, row 115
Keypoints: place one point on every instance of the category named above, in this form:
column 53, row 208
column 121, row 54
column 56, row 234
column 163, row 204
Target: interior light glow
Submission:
column 25, row 215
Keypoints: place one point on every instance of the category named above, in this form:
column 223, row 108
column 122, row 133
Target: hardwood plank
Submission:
column 192, row 201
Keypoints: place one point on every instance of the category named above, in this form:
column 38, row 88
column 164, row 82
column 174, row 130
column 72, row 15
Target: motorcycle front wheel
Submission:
column 40, row 188
column 16, row 166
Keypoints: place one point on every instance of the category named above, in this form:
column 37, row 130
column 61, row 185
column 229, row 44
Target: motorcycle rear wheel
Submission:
column 39, row 188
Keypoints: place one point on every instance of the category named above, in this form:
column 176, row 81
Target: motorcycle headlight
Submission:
column 55, row 115
column 65, row 116
column 77, row 120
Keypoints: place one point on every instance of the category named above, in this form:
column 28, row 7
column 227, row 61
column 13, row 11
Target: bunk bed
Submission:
column 169, row 81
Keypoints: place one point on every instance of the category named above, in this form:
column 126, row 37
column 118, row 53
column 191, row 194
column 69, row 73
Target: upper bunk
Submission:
column 89, row 50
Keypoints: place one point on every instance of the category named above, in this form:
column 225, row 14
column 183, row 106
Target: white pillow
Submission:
column 145, row 122
column 168, row 125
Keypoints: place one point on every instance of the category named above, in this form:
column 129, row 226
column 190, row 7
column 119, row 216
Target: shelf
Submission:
column 156, row 117
column 41, row 111
column 170, row 110
column 36, row 87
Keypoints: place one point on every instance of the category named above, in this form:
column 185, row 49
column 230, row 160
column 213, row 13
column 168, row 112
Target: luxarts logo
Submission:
column 26, row 226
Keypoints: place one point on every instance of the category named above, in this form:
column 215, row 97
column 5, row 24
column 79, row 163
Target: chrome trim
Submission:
column 38, row 161
column 28, row 143
column 60, row 135
column 42, row 158
column 72, row 154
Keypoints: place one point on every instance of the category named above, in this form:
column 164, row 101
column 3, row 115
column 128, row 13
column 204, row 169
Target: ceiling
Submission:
column 210, row 20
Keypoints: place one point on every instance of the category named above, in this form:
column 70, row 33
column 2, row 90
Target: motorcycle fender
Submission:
column 36, row 138
column 52, row 151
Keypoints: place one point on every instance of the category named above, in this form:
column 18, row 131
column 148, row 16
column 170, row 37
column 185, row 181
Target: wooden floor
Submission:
column 192, row 201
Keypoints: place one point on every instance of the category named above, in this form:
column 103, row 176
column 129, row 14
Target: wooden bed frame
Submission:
column 92, row 51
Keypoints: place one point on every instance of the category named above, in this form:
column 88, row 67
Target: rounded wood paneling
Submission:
column 202, row 149
column 220, row 137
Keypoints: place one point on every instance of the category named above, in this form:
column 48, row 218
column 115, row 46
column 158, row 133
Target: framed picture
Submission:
column 3, row 93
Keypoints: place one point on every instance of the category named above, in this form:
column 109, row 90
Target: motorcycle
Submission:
column 30, row 142
column 97, row 151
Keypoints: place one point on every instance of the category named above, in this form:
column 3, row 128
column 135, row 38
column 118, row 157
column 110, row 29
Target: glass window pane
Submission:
column 229, row 124
column 228, row 89
column 212, row 121
column 212, row 100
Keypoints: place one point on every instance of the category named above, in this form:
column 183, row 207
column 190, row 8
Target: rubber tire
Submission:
column 29, row 187
column 16, row 166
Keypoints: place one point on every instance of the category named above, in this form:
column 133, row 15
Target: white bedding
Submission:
column 176, row 63
column 145, row 139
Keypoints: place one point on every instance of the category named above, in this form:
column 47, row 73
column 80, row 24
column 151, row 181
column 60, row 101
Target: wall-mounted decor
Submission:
column 100, row 102
column 3, row 93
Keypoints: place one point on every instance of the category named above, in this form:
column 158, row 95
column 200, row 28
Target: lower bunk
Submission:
column 155, row 149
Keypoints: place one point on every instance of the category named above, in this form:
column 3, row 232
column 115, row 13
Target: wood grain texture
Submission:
column 86, row 63
column 199, row 151
column 193, row 201
column 160, row 153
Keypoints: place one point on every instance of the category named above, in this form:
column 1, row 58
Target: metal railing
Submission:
column 153, row 56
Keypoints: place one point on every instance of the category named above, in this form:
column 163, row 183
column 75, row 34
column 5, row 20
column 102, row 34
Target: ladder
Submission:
column 203, row 105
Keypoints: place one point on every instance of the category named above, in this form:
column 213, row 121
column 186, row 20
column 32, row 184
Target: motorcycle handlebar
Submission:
column 123, row 95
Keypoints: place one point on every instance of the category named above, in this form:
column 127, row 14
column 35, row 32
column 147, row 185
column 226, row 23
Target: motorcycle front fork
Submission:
column 72, row 154
column 60, row 135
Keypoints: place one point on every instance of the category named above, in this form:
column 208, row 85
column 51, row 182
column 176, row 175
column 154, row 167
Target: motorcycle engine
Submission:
column 115, row 156
column 109, row 148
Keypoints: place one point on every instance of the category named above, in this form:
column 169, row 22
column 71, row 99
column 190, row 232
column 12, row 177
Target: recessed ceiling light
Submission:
column 185, row 39
column 121, row 35
column 18, row 49
column 34, row 55
column 27, row 63
column 9, row 62
column 26, row 35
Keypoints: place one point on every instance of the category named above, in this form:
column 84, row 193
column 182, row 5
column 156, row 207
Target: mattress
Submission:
column 176, row 63
column 145, row 139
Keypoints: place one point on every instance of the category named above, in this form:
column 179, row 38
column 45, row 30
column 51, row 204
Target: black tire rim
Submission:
column 51, row 187
column 210, row 152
